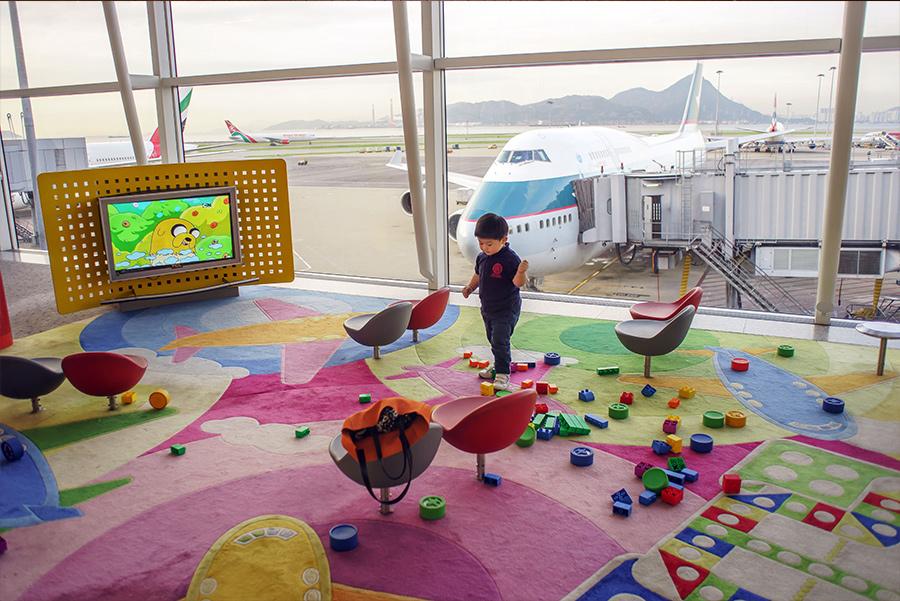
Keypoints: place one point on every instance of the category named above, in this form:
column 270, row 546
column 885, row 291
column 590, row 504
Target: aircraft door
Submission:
column 652, row 217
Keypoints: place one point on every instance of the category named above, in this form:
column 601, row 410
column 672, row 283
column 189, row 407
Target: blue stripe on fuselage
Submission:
column 513, row 199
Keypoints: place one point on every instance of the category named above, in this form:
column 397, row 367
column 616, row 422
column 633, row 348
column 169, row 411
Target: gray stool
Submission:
column 423, row 452
column 382, row 328
column 22, row 378
column 651, row 338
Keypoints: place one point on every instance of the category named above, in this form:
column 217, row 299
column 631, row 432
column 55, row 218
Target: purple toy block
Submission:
column 670, row 426
column 640, row 468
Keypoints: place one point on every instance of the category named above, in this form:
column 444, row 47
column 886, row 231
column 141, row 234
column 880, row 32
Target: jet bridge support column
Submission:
column 839, row 165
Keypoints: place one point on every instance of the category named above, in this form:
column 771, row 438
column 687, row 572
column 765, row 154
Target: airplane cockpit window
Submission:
column 504, row 157
column 522, row 156
column 540, row 155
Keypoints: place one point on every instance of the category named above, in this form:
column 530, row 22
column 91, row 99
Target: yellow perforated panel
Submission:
column 75, row 237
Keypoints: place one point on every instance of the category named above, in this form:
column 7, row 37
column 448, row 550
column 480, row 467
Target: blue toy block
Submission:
column 595, row 420
column 675, row 477
column 622, row 496
column 648, row 497
column 544, row 433
column 532, row 364
column 622, row 509
column 586, row 395
column 648, row 391
column 661, row 448
column 690, row 475
column 675, row 485
column 492, row 479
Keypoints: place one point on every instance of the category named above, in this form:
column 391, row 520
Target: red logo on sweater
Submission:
column 497, row 270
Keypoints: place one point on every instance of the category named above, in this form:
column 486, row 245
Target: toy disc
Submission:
column 713, row 419
column 785, row 350
column 701, row 443
column 655, row 479
column 527, row 437
column 581, row 456
column 432, row 507
column 618, row 411
column 13, row 449
column 159, row 399
column 343, row 537
column 735, row 419
column 833, row 405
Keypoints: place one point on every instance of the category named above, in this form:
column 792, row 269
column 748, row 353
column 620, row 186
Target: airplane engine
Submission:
column 453, row 222
column 406, row 203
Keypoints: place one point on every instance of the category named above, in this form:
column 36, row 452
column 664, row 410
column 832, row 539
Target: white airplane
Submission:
column 530, row 184
column 272, row 139
column 121, row 152
column 878, row 139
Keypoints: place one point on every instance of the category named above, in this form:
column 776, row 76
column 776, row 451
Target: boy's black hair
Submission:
column 491, row 226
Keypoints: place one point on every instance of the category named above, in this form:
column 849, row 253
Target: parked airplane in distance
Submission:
column 531, row 181
column 121, row 152
column 272, row 139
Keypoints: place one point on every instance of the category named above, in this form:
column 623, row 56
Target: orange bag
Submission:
column 388, row 427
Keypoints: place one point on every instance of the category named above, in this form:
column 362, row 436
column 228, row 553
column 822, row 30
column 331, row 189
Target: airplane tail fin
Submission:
column 691, row 116
column 156, row 151
column 237, row 134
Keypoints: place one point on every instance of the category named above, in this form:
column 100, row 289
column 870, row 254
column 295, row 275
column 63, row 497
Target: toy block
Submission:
column 521, row 367
column 545, row 433
column 552, row 358
column 177, row 449
column 648, row 391
column 527, row 383
column 672, row 495
column 553, row 388
column 554, row 413
column 686, row 392
column 675, row 442
column 607, row 371
column 731, row 484
column 622, row 496
column 541, row 408
column 542, row 387
column 552, row 423
column 675, row 477
column 467, row 355
column 660, row 448
column 586, row 395
column 487, row 389
column 538, row 420
column 365, row 398
column 474, row 362
column 626, row 398
column 674, row 402
column 676, row 464
column 532, row 364
column 690, row 475
column 670, row 426
column 574, row 424
column 301, row 432
column 595, row 420
column 648, row 497
column 3, row 545
column 128, row 397
column 675, row 486
column 484, row 364
column 622, row 509
column 492, row 479
column 674, row 418
column 640, row 468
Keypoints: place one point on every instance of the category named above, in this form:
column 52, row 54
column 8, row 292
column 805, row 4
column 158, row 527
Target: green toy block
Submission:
column 676, row 464
column 301, row 432
column 365, row 398
column 177, row 449
column 538, row 420
column 607, row 371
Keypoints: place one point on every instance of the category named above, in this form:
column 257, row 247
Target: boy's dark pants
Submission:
column 499, row 328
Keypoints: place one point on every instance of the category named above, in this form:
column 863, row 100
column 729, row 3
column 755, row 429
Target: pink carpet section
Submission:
column 493, row 544
column 842, row 448
column 710, row 465
column 333, row 394
column 301, row 362
column 278, row 310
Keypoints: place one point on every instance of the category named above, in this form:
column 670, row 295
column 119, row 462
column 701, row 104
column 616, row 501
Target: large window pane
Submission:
column 336, row 135
column 67, row 42
column 672, row 201
column 248, row 36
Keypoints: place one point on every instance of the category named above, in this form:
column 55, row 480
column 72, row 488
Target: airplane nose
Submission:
column 465, row 238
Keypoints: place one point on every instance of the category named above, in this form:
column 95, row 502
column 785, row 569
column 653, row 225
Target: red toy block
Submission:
column 542, row 387
column 672, row 495
column 674, row 403
column 467, row 355
column 731, row 484
column 528, row 384
column 521, row 367
column 553, row 388
column 740, row 364
column 484, row 364
column 474, row 363
column 627, row 398
column 541, row 408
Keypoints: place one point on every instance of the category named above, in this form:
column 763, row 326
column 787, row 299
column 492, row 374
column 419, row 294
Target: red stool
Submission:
column 664, row 311
column 6, row 338
column 428, row 311
column 104, row 374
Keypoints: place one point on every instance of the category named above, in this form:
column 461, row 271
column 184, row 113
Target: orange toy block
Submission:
column 467, row 355
column 553, row 388
column 474, row 363
column 674, row 402
column 527, row 383
column 484, row 364
column 521, row 367
column 128, row 397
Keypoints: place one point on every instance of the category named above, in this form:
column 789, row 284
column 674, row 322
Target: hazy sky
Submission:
column 234, row 36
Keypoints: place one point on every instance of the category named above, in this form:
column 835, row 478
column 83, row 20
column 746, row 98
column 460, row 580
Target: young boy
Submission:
column 499, row 273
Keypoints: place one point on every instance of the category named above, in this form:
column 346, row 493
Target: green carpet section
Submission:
column 74, row 496
column 52, row 437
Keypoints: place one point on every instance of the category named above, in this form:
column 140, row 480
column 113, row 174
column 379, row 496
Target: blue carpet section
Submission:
column 873, row 526
column 720, row 548
column 28, row 492
column 154, row 328
column 619, row 582
column 778, row 499
column 781, row 397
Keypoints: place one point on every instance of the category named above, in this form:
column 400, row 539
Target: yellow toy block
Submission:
column 128, row 397
column 674, row 442
column 686, row 392
column 487, row 389
column 675, row 418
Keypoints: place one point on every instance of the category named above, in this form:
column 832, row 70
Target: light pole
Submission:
column 718, row 86
column 789, row 111
column 831, row 98
column 818, row 96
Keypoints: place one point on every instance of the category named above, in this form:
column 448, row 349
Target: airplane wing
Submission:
column 721, row 143
column 470, row 182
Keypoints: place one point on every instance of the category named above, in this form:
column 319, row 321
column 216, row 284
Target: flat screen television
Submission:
column 162, row 233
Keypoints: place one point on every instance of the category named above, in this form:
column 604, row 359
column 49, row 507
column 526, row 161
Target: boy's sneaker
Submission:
column 501, row 382
column 487, row 373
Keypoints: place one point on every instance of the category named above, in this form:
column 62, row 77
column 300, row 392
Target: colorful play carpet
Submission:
column 98, row 508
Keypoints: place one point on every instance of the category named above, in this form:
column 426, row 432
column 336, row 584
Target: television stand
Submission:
column 146, row 301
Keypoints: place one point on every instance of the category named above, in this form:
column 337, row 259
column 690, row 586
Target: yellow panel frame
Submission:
column 75, row 238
